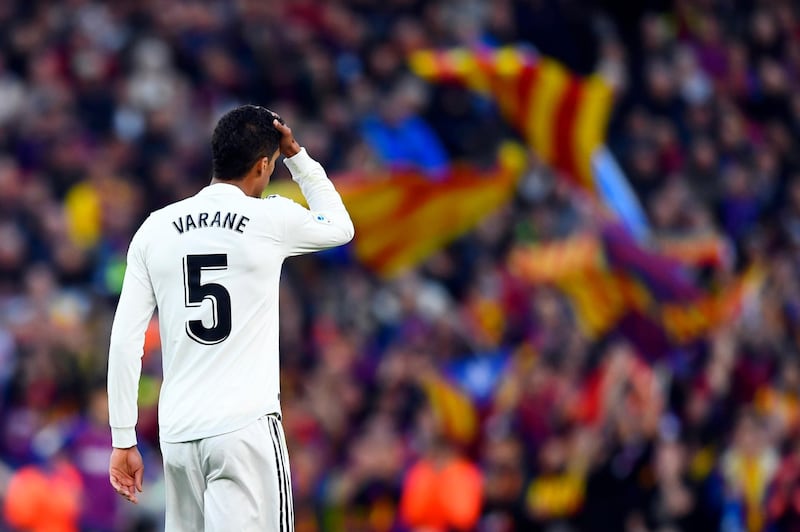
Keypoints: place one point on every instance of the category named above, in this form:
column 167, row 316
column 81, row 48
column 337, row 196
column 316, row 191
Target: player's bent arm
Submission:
column 327, row 223
column 134, row 310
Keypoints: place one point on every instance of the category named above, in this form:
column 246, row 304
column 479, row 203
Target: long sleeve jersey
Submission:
column 211, row 265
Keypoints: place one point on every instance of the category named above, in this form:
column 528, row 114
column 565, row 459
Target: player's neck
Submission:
column 249, row 186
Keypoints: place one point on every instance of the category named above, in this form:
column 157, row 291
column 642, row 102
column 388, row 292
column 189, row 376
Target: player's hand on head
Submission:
column 289, row 146
column 125, row 471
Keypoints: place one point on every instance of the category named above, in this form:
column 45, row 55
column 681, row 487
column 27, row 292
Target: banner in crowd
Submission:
column 607, row 275
column 403, row 217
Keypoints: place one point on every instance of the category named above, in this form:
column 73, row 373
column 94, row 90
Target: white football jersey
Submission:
column 211, row 264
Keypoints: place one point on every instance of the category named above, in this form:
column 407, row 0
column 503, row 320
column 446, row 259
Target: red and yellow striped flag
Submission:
column 687, row 322
column 563, row 117
column 403, row 217
column 601, row 294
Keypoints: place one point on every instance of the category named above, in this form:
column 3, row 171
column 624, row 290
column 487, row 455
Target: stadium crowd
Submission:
column 105, row 114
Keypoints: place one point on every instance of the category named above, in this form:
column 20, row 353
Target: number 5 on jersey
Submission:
column 196, row 292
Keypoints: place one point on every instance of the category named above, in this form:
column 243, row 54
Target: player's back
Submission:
column 214, row 263
column 211, row 265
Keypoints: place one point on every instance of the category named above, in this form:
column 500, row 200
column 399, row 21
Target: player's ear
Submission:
column 267, row 165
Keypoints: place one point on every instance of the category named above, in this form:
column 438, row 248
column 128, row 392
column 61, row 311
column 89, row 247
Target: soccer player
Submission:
column 211, row 265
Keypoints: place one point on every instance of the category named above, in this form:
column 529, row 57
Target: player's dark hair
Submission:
column 241, row 138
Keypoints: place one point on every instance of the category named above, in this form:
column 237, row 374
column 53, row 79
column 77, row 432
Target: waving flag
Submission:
column 453, row 408
column 402, row 217
column 688, row 321
column 666, row 278
column 562, row 117
column 608, row 276
column 479, row 375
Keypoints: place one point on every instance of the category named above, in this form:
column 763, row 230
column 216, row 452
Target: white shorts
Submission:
column 237, row 481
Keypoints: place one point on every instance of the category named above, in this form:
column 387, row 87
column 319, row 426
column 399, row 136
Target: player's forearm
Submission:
column 319, row 191
column 124, row 370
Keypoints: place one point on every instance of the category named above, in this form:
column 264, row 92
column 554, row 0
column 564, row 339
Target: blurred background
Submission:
column 594, row 327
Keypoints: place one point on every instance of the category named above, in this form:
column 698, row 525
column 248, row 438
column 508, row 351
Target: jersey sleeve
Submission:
column 134, row 310
column 326, row 223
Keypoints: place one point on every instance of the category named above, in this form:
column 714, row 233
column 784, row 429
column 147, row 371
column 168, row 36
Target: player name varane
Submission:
column 228, row 220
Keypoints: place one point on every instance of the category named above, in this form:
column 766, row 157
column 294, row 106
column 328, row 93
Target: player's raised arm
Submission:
column 134, row 310
column 326, row 223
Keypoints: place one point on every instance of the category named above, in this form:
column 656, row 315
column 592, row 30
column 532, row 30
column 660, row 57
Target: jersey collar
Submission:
column 221, row 188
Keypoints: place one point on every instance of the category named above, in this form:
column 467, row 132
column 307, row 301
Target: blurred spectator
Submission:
column 783, row 503
column 400, row 137
column 747, row 471
column 45, row 498
column 504, row 473
column 89, row 450
column 441, row 491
